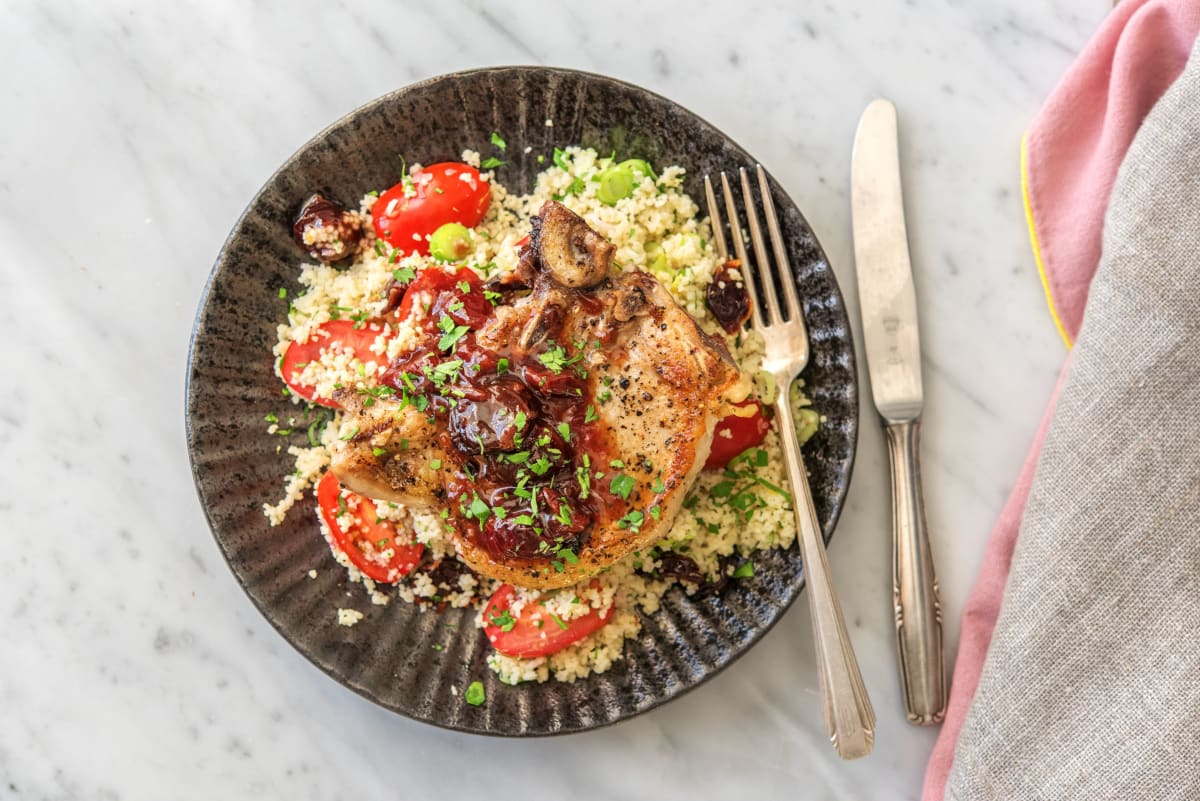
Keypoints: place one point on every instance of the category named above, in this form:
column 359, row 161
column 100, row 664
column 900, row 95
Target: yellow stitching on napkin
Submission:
column 1033, row 240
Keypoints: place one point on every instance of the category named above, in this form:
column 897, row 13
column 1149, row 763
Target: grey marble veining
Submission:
column 131, row 664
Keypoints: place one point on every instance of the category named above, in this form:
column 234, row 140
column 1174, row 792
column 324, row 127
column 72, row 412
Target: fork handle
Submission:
column 849, row 717
column 914, row 584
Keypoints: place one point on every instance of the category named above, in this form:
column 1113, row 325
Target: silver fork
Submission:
column 849, row 718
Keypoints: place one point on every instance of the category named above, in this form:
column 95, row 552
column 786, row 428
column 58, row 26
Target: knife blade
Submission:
column 889, row 318
column 885, row 284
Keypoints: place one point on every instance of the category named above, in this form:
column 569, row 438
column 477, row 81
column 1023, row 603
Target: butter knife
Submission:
column 889, row 312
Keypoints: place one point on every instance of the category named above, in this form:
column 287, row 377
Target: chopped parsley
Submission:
column 564, row 430
column 558, row 621
column 585, row 482
column 632, row 521
column 379, row 451
column 498, row 142
column 475, row 695
column 478, row 510
column 451, row 333
column 404, row 275
column 435, row 464
column 504, row 621
column 591, row 416
column 444, row 372
column 501, row 366
column 556, row 359
column 491, row 162
column 621, row 485
column 657, row 487
column 560, row 159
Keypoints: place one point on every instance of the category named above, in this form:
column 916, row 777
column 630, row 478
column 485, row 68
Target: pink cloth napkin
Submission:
column 1069, row 161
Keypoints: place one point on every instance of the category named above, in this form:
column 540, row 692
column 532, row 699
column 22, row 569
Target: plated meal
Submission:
column 541, row 406
column 354, row 565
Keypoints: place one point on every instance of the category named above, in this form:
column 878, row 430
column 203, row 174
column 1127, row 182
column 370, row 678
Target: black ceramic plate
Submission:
column 389, row 656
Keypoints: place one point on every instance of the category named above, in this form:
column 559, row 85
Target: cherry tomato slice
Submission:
column 524, row 638
column 368, row 542
column 333, row 335
column 444, row 290
column 735, row 434
column 447, row 192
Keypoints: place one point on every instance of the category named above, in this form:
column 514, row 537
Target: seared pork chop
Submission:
column 559, row 415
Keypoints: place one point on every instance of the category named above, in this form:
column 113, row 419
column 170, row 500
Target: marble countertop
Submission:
column 131, row 664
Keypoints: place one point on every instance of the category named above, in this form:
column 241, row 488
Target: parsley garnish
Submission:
column 591, row 415
column 621, row 485
column 632, row 521
column 504, row 621
column 558, row 621
column 657, row 487
column 744, row 570
column 478, row 510
column 451, row 333
column 475, row 694
column 446, row 371
column 404, row 275
column 491, row 162
column 564, row 430
column 555, row 359
column 498, row 142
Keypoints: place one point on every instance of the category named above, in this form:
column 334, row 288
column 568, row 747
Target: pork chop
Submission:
column 559, row 415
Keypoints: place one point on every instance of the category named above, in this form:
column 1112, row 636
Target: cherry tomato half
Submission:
column 735, row 434
column 524, row 637
column 372, row 545
column 445, row 290
column 333, row 335
column 447, row 192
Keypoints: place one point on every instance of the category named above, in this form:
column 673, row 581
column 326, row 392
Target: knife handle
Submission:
column 914, row 585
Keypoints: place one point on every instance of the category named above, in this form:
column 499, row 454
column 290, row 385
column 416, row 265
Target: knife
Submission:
column 889, row 312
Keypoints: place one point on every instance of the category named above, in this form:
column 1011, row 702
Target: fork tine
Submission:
column 739, row 246
column 787, row 278
column 760, row 251
column 714, row 215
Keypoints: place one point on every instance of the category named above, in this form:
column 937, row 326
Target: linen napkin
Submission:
column 1077, row 698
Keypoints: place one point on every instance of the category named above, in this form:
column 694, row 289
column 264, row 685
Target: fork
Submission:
column 849, row 718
